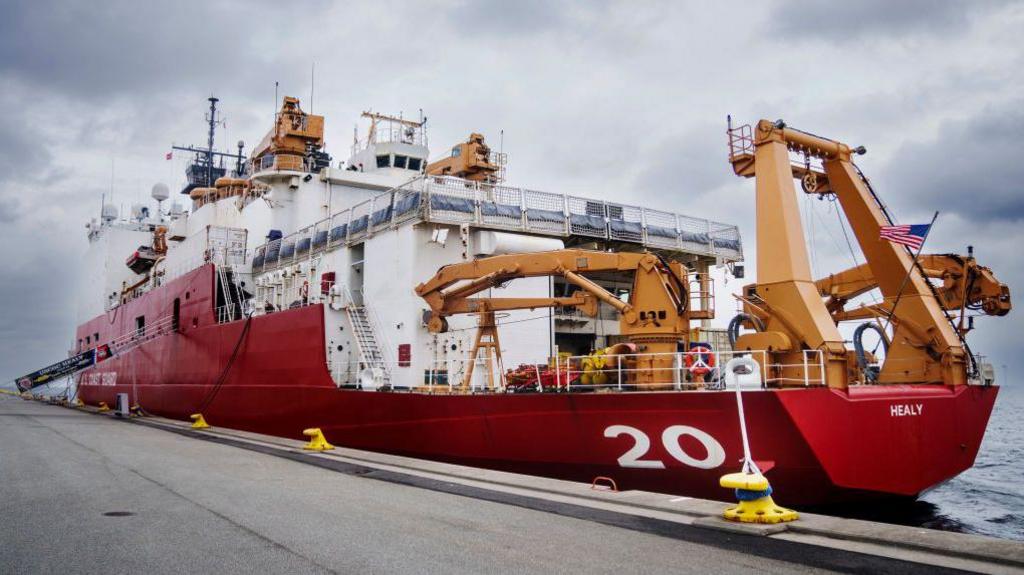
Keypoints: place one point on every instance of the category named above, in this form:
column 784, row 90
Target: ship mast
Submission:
column 212, row 120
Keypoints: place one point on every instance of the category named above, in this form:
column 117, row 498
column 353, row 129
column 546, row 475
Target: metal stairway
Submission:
column 370, row 353
column 231, row 296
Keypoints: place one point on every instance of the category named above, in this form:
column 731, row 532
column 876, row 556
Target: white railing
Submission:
column 445, row 199
column 672, row 372
column 147, row 332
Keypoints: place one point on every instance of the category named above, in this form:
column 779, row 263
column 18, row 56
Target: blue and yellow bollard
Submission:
column 755, row 500
column 103, row 407
column 751, row 486
column 199, row 422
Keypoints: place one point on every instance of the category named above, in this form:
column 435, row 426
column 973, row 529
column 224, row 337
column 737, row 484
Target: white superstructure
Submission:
column 360, row 235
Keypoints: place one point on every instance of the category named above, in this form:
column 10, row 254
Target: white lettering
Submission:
column 714, row 458
column 670, row 439
column 905, row 410
column 641, row 445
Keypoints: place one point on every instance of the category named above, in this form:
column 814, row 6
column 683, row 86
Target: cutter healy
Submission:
column 367, row 297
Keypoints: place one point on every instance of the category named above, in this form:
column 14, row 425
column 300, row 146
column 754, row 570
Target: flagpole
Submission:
column 910, row 270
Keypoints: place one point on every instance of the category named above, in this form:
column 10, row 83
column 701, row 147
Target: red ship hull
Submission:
column 817, row 445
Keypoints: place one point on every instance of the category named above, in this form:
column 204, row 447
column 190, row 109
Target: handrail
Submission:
column 447, row 199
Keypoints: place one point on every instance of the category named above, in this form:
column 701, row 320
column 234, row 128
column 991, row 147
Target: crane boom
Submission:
column 656, row 317
column 926, row 345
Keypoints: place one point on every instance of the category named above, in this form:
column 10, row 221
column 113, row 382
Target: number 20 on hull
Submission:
column 670, row 439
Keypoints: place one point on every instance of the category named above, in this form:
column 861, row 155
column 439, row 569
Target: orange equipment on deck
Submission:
column 293, row 138
column 926, row 345
column 656, row 318
column 471, row 160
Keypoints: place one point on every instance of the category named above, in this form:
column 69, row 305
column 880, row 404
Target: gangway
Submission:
column 89, row 358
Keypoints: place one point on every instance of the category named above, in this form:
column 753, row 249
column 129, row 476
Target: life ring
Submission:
column 700, row 360
column 304, row 290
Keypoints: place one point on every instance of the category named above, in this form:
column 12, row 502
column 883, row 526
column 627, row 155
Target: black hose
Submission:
column 683, row 295
column 858, row 345
column 735, row 323
column 212, row 393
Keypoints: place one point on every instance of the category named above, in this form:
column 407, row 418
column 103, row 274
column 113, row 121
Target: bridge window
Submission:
column 400, row 161
column 96, row 337
column 383, row 161
column 415, row 164
column 456, row 152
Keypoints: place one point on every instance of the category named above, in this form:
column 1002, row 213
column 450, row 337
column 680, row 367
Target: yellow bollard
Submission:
column 199, row 421
column 317, row 441
column 755, row 500
column 135, row 410
column 103, row 407
column 78, row 402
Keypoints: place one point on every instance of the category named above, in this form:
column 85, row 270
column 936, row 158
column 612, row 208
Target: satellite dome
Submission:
column 160, row 192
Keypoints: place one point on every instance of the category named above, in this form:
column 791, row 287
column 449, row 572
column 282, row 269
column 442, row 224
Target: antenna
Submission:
column 312, row 81
column 212, row 119
column 275, row 100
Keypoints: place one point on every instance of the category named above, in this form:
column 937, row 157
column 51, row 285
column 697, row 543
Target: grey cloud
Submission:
column 502, row 17
column 971, row 168
column 23, row 151
column 685, row 165
column 8, row 210
column 95, row 49
column 846, row 21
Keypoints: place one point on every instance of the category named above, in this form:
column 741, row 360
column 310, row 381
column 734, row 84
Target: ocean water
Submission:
column 987, row 499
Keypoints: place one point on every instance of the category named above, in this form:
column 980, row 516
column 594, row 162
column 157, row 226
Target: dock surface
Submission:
column 90, row 493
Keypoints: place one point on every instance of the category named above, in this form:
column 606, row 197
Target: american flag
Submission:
column 911, row 236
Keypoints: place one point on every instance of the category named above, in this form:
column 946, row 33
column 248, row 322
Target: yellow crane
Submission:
column 787, row 304
column 656, row 316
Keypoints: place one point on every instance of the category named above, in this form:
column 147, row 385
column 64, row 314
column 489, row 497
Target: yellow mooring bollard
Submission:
column 317, row 441
column 103, row 407
column 755, row 500
column 199, row 422
column 751, row 486
column 78, row 402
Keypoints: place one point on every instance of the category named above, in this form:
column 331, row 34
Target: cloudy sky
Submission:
column 623, row 100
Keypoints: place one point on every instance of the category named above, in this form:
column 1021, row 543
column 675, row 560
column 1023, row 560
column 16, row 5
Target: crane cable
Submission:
column 972, row 362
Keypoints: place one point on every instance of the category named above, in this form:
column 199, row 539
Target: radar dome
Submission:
column 160, row 192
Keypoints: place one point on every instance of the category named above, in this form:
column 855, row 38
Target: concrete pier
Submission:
column 82, row 492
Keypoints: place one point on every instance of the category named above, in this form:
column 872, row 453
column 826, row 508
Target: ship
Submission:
column 431, row 309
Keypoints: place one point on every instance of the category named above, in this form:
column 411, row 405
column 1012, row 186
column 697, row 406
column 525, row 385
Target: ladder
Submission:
column 231, row 296
column 370, row 353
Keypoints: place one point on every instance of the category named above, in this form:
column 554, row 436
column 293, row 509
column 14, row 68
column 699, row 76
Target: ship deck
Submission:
column 86, row 492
